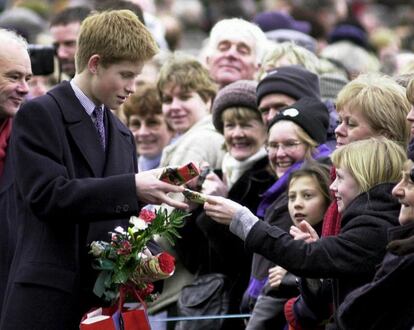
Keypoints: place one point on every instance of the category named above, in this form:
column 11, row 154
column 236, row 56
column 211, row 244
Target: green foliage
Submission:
column 119, row 259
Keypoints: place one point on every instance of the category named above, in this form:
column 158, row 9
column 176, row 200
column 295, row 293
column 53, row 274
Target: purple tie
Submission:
column 99, row 124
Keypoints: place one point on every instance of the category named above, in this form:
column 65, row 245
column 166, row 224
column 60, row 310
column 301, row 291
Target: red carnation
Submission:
column 166, row 262
column 125, row 248
column 147, row 215
column 149, row 287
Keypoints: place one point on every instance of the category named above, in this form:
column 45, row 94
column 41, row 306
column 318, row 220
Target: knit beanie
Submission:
column 292, row 80
column 297, row 37
column 351, row 32
column 274, row 20
column 331, row 84
column 241, row 93
column 309, row 113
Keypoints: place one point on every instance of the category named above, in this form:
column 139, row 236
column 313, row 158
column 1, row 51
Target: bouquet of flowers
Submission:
column 125, row 262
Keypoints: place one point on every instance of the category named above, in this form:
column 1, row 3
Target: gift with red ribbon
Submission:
column 118, row 317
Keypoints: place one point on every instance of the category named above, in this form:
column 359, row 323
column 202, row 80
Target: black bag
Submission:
column 207, row 296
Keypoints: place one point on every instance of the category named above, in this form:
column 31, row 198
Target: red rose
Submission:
column 166, row 262
column 147, row 215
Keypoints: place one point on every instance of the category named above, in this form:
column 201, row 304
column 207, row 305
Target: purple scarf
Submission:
column 280, row 185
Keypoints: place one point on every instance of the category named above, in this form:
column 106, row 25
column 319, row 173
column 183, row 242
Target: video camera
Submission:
column 43, row 59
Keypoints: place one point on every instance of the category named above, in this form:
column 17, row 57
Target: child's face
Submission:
column 404, row 191
column 306, row 201
column 113, row 84
column 345, row 188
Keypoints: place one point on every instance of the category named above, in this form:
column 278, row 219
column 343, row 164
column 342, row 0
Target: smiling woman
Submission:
column 296, row 134
column 148, row 125
column 244, row 176
column 187, row 91
column 404, row 191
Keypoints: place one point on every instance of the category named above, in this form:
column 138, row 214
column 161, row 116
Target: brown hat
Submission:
column 241, row 93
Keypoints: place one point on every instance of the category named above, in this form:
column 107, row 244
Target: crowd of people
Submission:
column 298, row 114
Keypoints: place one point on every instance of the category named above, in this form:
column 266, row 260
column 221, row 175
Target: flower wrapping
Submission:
column 154, row 268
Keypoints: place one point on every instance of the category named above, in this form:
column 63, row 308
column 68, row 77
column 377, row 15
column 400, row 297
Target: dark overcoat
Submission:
column 7, row 215
column 69, row 192
column 387, row 302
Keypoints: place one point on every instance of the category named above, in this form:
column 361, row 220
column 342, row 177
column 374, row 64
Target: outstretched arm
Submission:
column 228, row 212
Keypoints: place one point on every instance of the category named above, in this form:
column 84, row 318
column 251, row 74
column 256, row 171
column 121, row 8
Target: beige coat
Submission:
column 200, row 143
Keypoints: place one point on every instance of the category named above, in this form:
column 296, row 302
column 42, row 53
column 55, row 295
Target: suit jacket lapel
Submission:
column 119, row 144
column 80, row 127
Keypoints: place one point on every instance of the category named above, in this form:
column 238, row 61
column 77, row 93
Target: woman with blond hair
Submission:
column 369, row 106
column 367, row 171
column 393, row 277
column 288, row 53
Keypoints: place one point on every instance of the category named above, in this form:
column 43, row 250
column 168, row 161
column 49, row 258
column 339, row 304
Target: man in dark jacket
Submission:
column 15, row 71
column 76, row 178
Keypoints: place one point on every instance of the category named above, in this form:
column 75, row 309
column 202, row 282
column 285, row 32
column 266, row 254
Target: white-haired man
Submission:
column 15, row 72
column 234, row 50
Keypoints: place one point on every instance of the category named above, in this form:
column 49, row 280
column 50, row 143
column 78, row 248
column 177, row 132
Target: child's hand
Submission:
column 276, row 275
column 304, row 231
column 221, row 210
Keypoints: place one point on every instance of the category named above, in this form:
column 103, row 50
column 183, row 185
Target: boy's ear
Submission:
column 93, row 63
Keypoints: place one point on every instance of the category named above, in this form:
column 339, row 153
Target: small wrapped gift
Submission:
column 179, row 175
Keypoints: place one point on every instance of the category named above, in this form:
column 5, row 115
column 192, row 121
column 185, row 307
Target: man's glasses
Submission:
column 272, row 147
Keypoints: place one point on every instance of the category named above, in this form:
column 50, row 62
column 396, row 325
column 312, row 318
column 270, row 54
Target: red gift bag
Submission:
column 135, row 319
column 100, row 319
column 117, row 317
